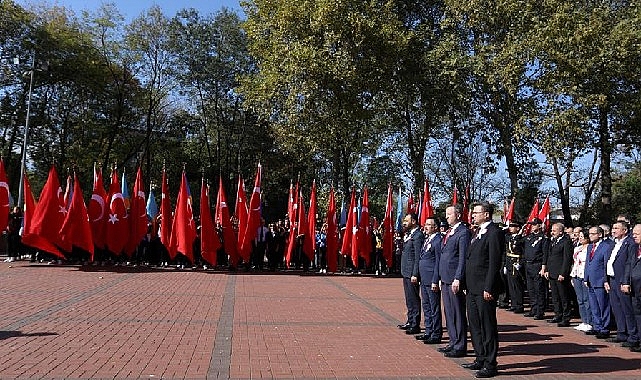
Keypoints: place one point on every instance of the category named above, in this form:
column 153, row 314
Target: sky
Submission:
column 133, row 8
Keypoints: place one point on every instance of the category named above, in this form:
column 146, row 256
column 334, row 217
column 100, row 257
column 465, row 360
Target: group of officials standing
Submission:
column 473, row 270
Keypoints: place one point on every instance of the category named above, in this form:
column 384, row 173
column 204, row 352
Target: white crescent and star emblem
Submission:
column 4, row 185
column 98, row 199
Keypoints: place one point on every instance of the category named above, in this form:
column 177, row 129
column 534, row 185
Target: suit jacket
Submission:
column 595, row 267
column 483, row 262
column 430, row 258
column 412, row 246
column 558, row 257
column 633, row 271
column 627, row 251
column 453, row 253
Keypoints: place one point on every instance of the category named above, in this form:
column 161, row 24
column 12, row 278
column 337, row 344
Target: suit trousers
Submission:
column 413, row 302
column 432, row 311
column 516, row 285
column 561, row 299
column 600, row 307
column 483, row 329
column 455, row 320
column 621, row 305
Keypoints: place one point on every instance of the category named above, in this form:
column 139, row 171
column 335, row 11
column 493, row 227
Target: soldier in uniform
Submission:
column 514, row 268
column 533, row 248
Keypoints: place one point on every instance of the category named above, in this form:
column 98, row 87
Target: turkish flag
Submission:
column 293, row 225
column 165, row 212
column 4, row 198
column 223, row 218
column 348, row 235
column 509, row 214
column 544, row 215
column 303, row 229
column 534, row 213
column 332, row 233
column 117, row 220
column 311, row 217
column 427, row 210
column 364, row 231
column 97, row 210
column 76, row 230
column 47, row 218
column 29, row 205
column 253, row 220
column 138, row 220
column 209, row 241
column 241, row 212
column 183, row 229
column 388, row 227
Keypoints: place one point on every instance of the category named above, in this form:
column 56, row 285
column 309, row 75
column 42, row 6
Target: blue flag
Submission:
column 125, row 191
column 152, row 206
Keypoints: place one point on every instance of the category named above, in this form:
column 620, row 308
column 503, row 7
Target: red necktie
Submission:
column 592, row 251
column 447, row 235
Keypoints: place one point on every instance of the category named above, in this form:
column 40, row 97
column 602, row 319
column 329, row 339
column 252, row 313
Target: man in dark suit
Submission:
column 632, row 281
column 483, row 282
column 557, row 264
column 451, row 271
column 595, row 279
column 621, row 303
column 430, row 292
column 412, row 245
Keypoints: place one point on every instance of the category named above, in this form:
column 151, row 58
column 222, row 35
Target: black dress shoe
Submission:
column 518, row 310
column 412, row 330
column 444, row 349
column 432, row 341
column 591, row 332
column 404, row 327
column 539, row 317
column 563, row 324
column 602, row 335
column 455, row 354
column 504, row 306
column 615, row 340
column 422, row 337
column 486, row 373
column 635, row 349
column 528, row 314
column 475, row 366
column 630, row 344
column 554, row 320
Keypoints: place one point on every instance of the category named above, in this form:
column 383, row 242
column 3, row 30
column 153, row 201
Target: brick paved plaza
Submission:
column 72, row 322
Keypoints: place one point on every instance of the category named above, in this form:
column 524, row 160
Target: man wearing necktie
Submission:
column 452, row 275
column 595, row 279
column 430, row 291
column 631, row 283
column 412, row 245
column 483, row 282
column 557, row 264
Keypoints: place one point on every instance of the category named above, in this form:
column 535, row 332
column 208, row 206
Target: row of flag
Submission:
column 542, row 212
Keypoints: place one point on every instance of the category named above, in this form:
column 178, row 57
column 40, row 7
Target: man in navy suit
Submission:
column 632, row 281
column 452, row 275
column 430, row 291
column 595, row 279
column 412, row 245
column 621, row 303
column 483, row 283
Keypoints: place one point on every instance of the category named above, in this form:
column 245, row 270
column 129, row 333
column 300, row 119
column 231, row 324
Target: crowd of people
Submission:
column 471, row 270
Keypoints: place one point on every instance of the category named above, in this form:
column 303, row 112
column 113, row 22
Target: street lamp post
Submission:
column 23, row 160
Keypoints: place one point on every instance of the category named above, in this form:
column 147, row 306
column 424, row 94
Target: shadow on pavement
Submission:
column 574, row 365
column 18, row 334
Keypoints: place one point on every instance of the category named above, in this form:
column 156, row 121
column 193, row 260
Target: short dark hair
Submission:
column 413, row 216
column 458, row 208
column 487, row 206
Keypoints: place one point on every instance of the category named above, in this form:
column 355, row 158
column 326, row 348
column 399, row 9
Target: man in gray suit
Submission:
column 412, row 245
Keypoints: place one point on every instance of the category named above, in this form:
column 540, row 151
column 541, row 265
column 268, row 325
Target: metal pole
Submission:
column 23, row 162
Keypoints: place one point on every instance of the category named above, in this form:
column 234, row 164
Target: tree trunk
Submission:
column 606, row 174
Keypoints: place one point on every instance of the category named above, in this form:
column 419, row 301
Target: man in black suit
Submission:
column 484, row 284
column 533, row 249
column 557, row 264
column 412, row 245
column 631, row 283
column 430, row 291
column 451, row 272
